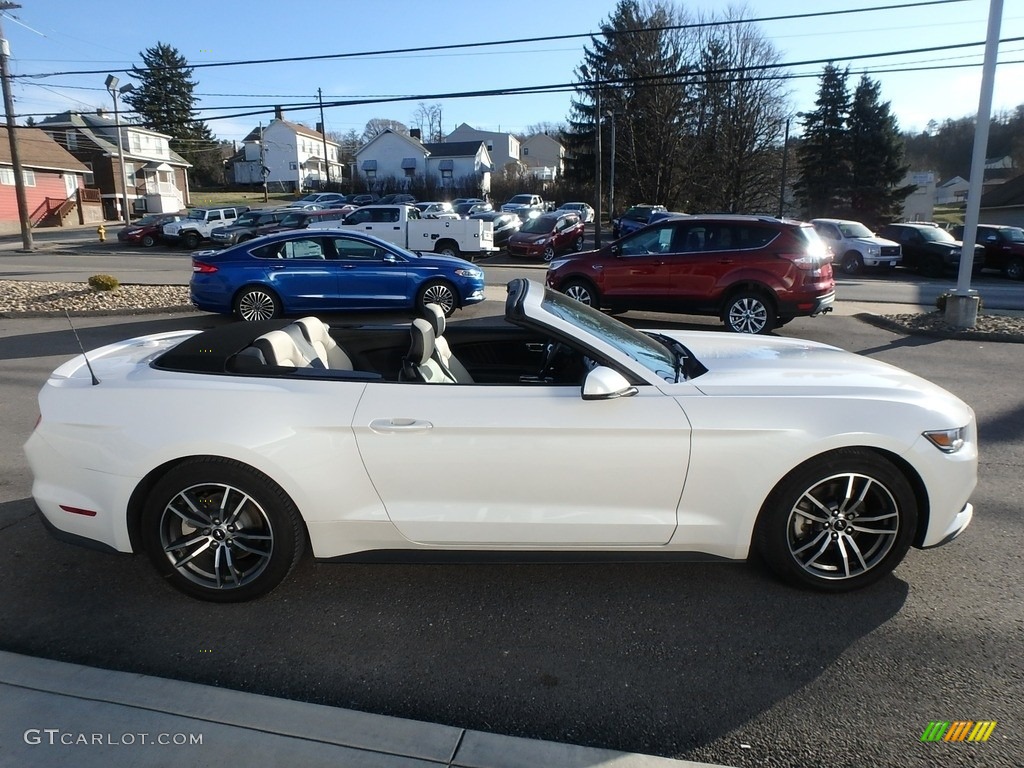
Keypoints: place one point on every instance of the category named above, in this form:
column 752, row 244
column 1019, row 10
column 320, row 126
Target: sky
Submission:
column 59, row 37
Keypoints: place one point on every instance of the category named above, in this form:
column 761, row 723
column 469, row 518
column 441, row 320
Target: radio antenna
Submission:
column 88, row 365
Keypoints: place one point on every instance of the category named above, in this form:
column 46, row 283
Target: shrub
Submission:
column 940, row 301
column 103, row 283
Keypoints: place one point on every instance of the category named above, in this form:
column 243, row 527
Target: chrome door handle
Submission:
column 384, row 426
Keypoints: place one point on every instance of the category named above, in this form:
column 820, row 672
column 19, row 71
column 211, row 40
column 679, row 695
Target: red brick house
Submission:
column 54, row 180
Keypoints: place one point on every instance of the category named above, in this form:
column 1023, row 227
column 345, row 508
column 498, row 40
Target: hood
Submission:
column 874, row 240
column 440, row 260
column 530, row 237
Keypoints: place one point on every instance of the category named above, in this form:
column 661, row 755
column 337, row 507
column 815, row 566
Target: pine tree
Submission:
column 876, row 158
column 164, row 102
column 824, row 185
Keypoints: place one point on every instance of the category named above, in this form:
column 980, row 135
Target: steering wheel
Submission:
column 552, row 353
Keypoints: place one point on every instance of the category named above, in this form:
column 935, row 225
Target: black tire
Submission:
column 852, row 263
column 549, row 252
column 583, row 291
column 447, row 248
column 578, row 244
column 1014, row 268
column 245, row 238
column 255, row 302
column 438, row 292
column 932, row 266
column 148, row 241
column 191, row 240
column 830, row 551
column 749, row 312
column 234, row 558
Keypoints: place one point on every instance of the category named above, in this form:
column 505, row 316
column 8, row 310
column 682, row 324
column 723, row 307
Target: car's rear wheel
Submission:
column 1014, row 268
column 578, row 244
column 852, row 263
column 749, row 312
column 257, row 303
column 549, row 252
column 583, row 292
column 438, row 292
column 447, row 248
column 838, row 522
column 148, row 241
column 191, row 240
column 220, row 531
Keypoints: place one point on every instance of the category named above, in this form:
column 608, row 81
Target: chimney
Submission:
column 319, row 127
column 278, row 113
column 100, row 112
column 414, row 133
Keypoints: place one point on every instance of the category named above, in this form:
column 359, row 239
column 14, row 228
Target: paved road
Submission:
column 717, row 663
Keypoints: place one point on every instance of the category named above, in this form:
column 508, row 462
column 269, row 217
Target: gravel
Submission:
column 20, row 298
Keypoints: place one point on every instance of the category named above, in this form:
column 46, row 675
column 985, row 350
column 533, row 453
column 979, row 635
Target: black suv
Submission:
column 929, row 249
column 1004, row 247
column 249, row 225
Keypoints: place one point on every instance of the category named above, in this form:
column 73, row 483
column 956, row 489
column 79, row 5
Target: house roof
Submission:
column 1008, row 194
column 298, row 128
column 454, row 149
column 102, row 132
column 409, row 139
column 37, row 149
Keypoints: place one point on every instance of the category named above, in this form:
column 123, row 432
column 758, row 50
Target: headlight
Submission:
column 874, row 250
column 557, row 264
column 947, row 440
column 469, row 272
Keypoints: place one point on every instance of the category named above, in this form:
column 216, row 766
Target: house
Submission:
column 157, row 177
column 292, row 156
column 54, row 180
column 543, row 156
column 919, row 204
column 394, row 161
column 952, row 191
column 503, row 148
column 1004, row 204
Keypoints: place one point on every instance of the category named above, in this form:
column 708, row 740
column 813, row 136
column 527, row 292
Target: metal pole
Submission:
column 323, row 134
column 962, row 306
column 597, row 143
column 263, row 167
column 112, row 87
column 782, row 184
column 19, row 179
column 611, row 173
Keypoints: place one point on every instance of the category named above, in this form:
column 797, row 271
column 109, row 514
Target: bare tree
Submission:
column 427, row 118
column 380, row 124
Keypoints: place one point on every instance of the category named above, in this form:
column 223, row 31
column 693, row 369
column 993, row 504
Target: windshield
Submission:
column 631, row 342
column 247, row 219
column 197, row 215
column 538, row 226
column 936, row 235
column 1014, row 234
column 855, row 229
column 520, row 199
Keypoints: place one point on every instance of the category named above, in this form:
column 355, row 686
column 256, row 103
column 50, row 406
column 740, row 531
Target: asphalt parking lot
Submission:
column 716, row 663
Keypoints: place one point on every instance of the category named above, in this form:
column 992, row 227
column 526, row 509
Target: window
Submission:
column 89, row 177
column 7, row 177
column 308, row 249
column 371, row 175
column 357, row 250
column 293, row 166
column 657, row 240
column 72, row 139
column 129, row 170
column 526, row 151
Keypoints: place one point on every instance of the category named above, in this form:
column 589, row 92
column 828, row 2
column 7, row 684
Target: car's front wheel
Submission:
column 578, row 244
column 852, row 263
column 583, row 292
column 749, row 312
column 191, row 240
column 438, row 292
column 219, row 531
column 1015, row 268
column 838, row 522
column 549, row 252
column 257, row 303
column 148, row 241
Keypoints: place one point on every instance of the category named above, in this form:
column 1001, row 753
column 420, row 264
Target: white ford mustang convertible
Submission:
column 560, row 433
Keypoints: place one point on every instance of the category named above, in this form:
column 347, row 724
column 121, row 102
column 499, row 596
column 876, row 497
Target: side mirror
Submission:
column 603, row 383
column 615, row 249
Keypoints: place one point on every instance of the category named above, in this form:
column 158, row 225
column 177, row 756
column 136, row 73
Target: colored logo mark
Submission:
column 959, row 730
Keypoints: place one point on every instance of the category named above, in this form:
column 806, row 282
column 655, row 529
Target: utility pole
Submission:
column 264, row 171
column 19, row 179
column 323, row 134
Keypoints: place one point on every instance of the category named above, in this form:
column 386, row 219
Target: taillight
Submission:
column 203, row 268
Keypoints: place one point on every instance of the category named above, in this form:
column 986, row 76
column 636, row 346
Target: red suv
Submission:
column 754, row 272
column 547, row 235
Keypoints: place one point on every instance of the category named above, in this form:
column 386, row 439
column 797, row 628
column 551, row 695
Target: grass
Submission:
column 200, row 198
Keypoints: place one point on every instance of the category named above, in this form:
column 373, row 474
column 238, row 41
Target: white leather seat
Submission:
column 279, row 349
column 443, row 353
column 421, row 364
column 318, row 333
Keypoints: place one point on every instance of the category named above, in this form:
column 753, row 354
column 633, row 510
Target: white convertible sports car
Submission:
column 558, row 434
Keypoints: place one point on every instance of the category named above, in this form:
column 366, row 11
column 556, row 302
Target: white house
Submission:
column 393, row 160
column 543, row 156
column 503, row 148
column 920, row 204
column 952, row 191
column 290, row 155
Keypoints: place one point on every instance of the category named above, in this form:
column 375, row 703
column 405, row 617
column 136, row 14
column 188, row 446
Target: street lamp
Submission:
column 112, row 88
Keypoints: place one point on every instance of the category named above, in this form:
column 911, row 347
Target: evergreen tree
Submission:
column 824, row 185
column 876, row 158
column 164, row 102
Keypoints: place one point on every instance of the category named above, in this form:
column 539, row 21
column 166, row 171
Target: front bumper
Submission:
column 955, row 528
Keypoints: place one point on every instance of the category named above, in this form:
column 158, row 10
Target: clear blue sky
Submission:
column 48, row 36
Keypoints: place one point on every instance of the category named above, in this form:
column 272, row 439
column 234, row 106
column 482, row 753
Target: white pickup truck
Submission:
column 403, row 225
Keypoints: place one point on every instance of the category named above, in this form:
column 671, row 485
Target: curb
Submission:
column 966, row 335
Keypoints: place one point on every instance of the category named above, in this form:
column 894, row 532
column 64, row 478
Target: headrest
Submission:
column 303, row 346
column 313, row 328
column 422, row 342
column 435, row 316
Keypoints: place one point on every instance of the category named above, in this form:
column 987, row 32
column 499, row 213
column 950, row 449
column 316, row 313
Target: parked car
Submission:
column 363, row 199
column 459, row 200
column 526, row 206
column 303, row 219
column 249, row 225
column 327, row 270
column 929, row 249
column 199, row 223
column 436, row 210
column 1004, row 247
column 855, row 247
column 149, row 230
column 753, row 272
column 634, row 218
column 547, row 236
column 222, row 454
column 465, row 210
column 305, row 206
column 584, row 211
column 504, row 225
column 395, row 199
column 323, row 199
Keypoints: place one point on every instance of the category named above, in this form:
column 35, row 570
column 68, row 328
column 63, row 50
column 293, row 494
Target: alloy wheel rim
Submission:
column 256, row 305
column 217, row 536
column 440, row 295
column 843, row 526
column 579, row 293
column 748, row 315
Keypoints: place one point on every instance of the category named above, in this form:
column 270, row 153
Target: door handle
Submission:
column 277, row 266
column 386, row 426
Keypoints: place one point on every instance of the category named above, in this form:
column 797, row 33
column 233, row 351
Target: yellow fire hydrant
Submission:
column 102, row 232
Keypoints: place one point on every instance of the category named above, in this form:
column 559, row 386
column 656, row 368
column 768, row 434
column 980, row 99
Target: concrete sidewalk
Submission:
column 53, row 713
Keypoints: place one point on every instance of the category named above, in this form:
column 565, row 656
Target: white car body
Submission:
column 854, row 246
column 661, row 467
column 586, row 213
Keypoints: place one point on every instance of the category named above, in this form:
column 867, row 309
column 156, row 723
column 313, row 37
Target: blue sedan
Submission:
column 301, row 271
